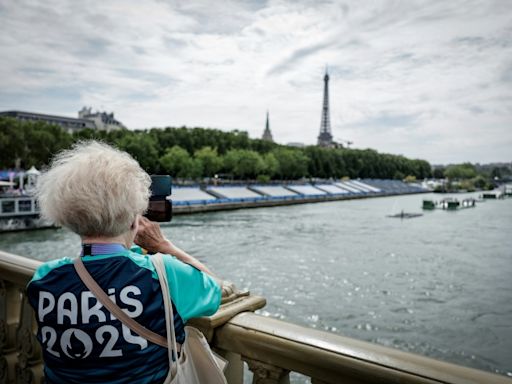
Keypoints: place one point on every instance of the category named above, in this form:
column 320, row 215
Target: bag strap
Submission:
column 158, row 263
column 102, row 297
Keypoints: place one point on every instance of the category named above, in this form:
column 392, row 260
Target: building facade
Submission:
column 104, row 121
column 70, row 124
column 86, row 119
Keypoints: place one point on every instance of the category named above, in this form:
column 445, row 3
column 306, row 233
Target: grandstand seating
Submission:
column 306, row 190
column 370, row 187
column 361, row 187
column 331, row 189
column 241, row 193
column 235, row 192
column 190, row 195
column 347, row 187
column 273, row 190
column 394, row 186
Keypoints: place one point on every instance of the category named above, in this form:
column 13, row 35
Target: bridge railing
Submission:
column 271, row 348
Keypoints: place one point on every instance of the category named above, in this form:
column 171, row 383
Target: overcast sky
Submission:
column 427, row 79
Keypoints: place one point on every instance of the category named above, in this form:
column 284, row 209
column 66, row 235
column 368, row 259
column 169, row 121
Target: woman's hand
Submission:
column 150, row 237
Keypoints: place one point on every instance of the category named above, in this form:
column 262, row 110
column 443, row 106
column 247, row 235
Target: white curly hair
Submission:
column 94, row 190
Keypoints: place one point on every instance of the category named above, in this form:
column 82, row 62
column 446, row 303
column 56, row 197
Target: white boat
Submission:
column 18, row 207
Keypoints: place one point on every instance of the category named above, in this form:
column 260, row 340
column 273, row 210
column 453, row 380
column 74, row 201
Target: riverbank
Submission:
column 188, row 200
column 19, row 213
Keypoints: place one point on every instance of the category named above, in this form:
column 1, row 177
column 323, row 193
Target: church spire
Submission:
column 267, row 135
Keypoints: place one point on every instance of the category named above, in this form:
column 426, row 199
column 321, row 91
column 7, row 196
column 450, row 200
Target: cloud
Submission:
column 405, row 77
column 387, row 120
column 296, row 57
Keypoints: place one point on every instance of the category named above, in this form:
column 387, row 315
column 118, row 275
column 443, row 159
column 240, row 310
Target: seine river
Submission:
column 438, row 285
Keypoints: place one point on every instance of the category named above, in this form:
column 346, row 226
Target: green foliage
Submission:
column 209, row 159
column 325, row 163
column 460, row 171
column 480, row 182
column 467, row 185
column 263, row 178
column 143, row 148
column 398, row 175
column 501, row 172
column 243, row 163
column 178, row 163
column 271, row 165
column 30, row 143
column 197, row 138
column 49, row 138
column 203, row 152
column 438, row 173
column 293, row 163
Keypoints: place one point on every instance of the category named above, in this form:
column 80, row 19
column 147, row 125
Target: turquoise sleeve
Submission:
column 47, row 267
column 193, row 292
column 137, row 249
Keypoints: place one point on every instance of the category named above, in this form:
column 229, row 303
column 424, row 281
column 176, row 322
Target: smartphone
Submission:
column 160, row 204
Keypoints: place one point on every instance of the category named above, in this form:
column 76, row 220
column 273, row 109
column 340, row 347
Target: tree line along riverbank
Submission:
column 194, row 153
column 198, row 153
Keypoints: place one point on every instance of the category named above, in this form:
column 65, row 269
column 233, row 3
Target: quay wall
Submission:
column 255, row 196
column 275, row 202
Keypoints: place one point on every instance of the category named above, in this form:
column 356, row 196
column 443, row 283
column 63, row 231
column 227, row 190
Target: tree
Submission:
column 438, row 173
column 422, row 169
column 12, row 142
column 143, row 148
column 45, row 140
column 481, row 182
column 243, row 163
column 210, row 161
column 398, row 175
column 29, row 143
column 271, row 165
column 353, row 162
column 293, row 164
column 321, row 162
column 90, row 134
column 460, row 171
column 178, row 163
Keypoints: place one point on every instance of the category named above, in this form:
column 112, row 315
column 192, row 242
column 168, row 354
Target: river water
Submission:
column 438, row 285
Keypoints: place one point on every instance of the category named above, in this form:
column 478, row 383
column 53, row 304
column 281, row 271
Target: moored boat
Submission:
column 429, row 205
column 18, row 207
column 496, row 194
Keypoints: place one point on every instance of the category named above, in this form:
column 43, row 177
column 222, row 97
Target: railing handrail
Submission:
column 328, row 357
column 323, row 354
column 17, row 269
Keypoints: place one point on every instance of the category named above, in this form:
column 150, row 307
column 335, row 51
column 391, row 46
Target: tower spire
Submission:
column 325, row 136
column 267, row 135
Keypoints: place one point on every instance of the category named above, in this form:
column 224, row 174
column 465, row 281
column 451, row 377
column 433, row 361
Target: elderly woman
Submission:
column 100, row 193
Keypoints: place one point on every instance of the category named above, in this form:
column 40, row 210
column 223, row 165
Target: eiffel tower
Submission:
column 325, row 136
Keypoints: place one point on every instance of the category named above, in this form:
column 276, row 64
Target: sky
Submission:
column 426, row 79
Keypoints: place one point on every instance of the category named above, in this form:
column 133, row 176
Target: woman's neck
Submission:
column 121, row 239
